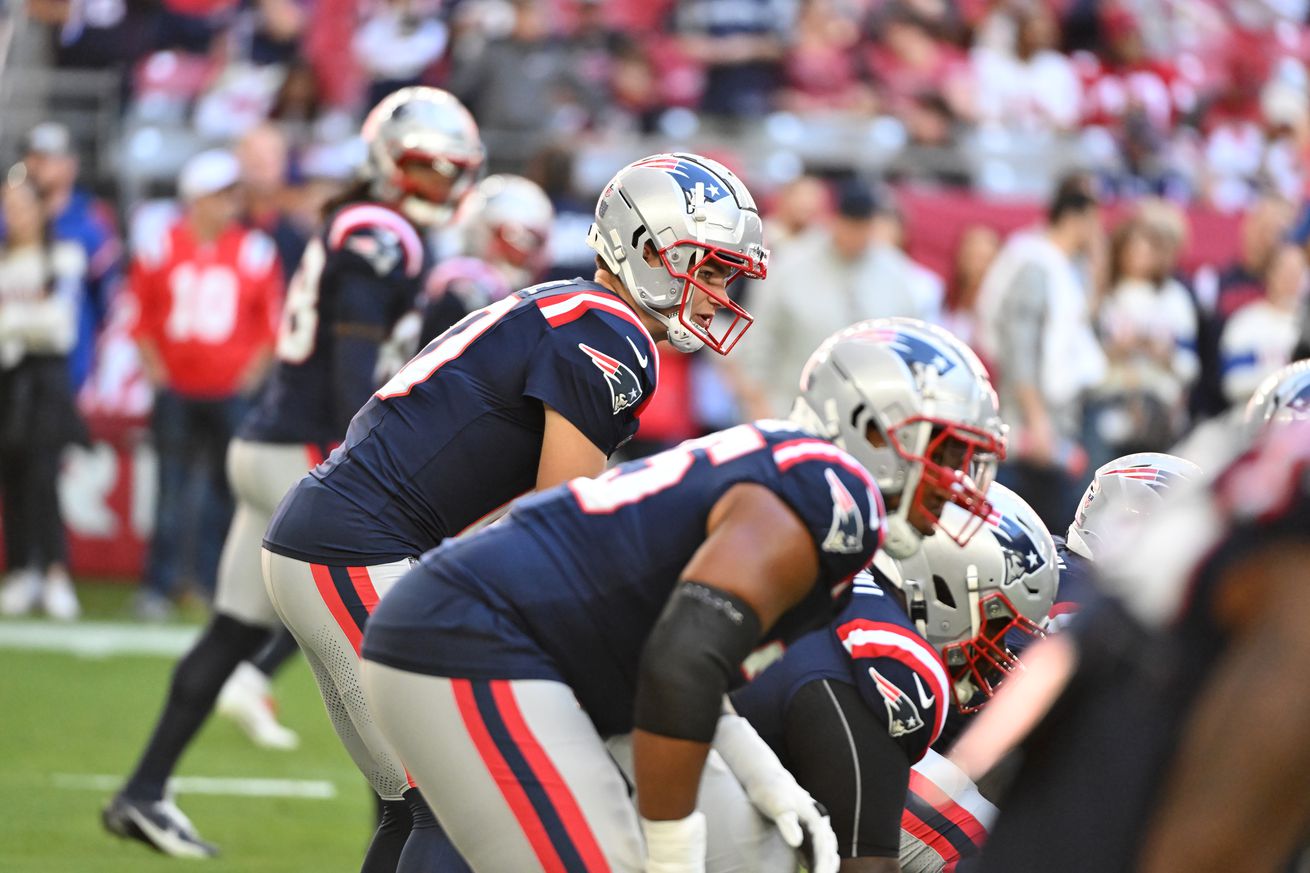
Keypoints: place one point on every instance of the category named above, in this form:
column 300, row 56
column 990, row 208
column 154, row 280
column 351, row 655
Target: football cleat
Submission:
column 59, row 599
column 159, row 824
column 246, row 700
column 21, row 593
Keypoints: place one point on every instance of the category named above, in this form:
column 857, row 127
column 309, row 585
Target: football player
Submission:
column 628, row 602
column 355, row 279
column 851, row 708
column 504, row 234
column 535, row 389
column 1140, row 764
column 1123, row 494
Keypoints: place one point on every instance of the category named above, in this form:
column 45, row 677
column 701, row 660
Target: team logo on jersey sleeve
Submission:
column 625, row 389
column 846, row 533
column 903, row 716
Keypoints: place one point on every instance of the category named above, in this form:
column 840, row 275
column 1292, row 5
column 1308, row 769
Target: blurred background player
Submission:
column 535, row 389
column 713, row 544
column 40, row 292
column 503, row 236
column 1205, row 621
column 358, row 275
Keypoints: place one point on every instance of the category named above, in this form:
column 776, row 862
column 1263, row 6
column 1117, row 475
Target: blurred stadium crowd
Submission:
column 1108, row 200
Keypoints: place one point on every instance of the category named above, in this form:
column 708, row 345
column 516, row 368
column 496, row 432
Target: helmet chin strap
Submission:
column 425, row 212
column 901, row 540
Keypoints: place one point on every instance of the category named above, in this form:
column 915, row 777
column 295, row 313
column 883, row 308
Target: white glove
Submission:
column 775, row 792
column 676, row 846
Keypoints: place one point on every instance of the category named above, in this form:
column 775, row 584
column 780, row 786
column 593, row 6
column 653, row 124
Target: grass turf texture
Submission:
column 64, row 714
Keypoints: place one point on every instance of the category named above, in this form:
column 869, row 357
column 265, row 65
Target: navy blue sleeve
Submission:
column 368, row 303
column 898, row 674
column 836, row 499
column 590, row 373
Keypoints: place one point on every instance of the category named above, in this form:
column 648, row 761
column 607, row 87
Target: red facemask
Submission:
column 731, row 320
column 985, row 660
column 958, row 462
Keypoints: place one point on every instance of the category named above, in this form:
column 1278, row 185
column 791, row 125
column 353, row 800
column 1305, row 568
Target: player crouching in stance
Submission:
column 356, row 278
column 628, row 603
column 535, row 389
column 850, row 709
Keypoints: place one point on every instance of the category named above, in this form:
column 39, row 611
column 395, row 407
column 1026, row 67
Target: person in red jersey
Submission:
column 207, row 295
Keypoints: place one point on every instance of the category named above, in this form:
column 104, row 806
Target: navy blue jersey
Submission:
column 456, row 434
column 1147, row 650
column 1077, row 584
column 570, row 583
column 873, row 646
column 355, row 280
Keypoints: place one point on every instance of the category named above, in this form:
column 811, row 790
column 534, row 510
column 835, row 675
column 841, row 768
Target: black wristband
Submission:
column 690, row 657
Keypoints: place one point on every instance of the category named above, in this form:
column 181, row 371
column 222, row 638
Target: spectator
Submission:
column 1221, row 292
column 742, row 45
column 75, row 215
column 1262, row 335
column 1035, row 329
column 1148, row 329
column 207, row 296
column 396, row 44
column 262, row 153
column 1030, row 87
column 908, row 61
column 974, row 254
column 823, row 65
column 39, row 292
column 822, row 281
column 521, row 88
column 801, row 205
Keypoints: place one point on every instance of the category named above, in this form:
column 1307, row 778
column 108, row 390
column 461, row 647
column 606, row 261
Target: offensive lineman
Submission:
column 629, row 601
column 526, row 393
column 354, row 281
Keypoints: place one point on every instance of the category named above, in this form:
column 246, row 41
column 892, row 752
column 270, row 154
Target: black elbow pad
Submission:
column 689, row 659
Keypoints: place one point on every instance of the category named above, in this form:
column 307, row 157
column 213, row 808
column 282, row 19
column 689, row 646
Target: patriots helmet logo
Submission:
column 625, row 388
column 846, row 533
column 690, row 177
column 917, row 353
column 1019, row 543
column 903, row 716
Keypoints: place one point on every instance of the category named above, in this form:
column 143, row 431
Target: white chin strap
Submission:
column 679, row 337
column 426, row 213
column 900, row 540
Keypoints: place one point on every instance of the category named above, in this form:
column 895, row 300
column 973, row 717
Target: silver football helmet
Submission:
column 1122, row 494
column 509, row 224
column 425, row 127
column 914, row 405
column 1283, row 396
column 967, row 600
column 691, row 211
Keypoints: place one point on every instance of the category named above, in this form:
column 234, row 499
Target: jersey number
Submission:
column 204, row 303
column 298, row 329
column 449, row 347
column 619, row 487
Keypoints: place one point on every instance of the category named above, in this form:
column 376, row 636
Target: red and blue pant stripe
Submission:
column 540, row 799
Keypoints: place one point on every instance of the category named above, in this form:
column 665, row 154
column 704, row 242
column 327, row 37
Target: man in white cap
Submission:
column 208, row 295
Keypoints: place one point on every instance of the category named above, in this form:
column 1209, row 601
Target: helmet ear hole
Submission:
column 943, row 591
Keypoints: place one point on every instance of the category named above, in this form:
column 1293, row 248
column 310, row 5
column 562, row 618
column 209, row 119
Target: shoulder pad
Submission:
column 257, row 253
column 378, row 235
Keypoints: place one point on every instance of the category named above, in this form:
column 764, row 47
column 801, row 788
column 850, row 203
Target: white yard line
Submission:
column 312, row 789
column 94, row 639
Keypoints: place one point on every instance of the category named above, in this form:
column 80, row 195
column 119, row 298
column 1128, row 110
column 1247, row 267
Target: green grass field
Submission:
column 67, row 718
